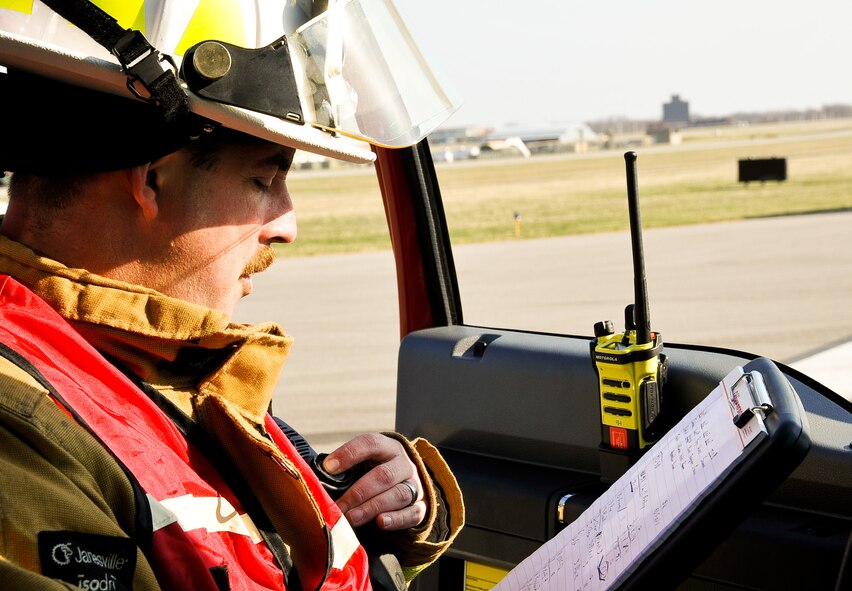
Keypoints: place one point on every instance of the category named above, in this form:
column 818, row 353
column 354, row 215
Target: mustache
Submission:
column 260, row 262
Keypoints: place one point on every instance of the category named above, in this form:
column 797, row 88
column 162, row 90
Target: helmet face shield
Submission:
column 363, row 76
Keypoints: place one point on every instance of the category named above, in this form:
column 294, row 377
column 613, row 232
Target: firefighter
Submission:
column 149, row 144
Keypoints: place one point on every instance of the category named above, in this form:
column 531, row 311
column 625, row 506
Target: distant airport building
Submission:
column 457, row 143
column 460, row 143
column 664, row 133
column 676, row 111
column 572, row 137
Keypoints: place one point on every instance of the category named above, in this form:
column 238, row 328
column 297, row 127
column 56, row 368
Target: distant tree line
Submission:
column 624, row 125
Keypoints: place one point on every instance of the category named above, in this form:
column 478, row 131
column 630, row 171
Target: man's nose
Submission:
column 281, row 228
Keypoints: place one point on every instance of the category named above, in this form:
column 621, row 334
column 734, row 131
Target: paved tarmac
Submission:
column 779, row 287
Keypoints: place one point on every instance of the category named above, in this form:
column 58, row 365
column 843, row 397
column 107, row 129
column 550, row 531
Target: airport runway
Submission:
column 779, row 287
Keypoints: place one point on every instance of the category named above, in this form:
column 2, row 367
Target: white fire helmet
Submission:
column 310, row 74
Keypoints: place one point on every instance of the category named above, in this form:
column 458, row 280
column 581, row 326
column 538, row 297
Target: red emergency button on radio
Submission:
column 618, row 437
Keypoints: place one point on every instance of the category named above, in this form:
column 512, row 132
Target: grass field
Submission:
column 569, row 194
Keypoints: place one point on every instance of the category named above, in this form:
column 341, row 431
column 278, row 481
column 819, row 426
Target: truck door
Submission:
column 516, row 413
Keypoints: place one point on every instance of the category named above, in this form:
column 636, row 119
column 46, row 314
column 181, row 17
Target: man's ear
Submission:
column 143, row 182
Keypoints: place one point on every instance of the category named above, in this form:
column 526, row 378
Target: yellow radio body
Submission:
column 631, row 380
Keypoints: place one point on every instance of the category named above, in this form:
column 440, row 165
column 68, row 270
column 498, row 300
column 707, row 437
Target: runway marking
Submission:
column 831, row 367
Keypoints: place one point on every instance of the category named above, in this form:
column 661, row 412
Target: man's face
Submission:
column 215, row 226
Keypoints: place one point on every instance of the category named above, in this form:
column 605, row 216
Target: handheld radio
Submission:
column 631, row 367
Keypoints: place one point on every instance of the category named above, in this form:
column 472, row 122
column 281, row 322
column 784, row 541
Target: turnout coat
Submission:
column 137, row 450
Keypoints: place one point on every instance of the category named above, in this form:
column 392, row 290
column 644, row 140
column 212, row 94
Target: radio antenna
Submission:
column 643, row 316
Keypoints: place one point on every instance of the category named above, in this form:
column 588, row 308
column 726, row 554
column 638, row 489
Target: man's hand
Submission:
column 389, row 492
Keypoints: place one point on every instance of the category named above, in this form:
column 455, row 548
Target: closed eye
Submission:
column 278, row 166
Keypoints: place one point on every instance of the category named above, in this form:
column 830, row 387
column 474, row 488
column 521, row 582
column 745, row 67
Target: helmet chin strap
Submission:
column 151, row 76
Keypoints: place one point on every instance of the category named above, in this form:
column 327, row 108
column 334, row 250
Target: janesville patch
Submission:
column 89, row 561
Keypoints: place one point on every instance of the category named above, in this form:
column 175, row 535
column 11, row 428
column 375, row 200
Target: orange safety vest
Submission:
column 195, row 531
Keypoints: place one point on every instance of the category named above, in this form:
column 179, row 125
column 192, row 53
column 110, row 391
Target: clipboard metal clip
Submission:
column 759, row 399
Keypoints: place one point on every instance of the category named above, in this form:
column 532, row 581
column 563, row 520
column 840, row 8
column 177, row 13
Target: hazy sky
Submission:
column 541, row 61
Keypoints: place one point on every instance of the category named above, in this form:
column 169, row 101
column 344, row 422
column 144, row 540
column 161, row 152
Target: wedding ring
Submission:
column 412, row 488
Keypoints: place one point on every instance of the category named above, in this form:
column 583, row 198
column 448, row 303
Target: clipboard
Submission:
column 684, row 496
column 765, row 464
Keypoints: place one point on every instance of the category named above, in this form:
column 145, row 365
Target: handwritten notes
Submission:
column 638, row 510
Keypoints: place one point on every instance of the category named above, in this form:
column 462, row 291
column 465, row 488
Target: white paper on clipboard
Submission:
column 636, row 513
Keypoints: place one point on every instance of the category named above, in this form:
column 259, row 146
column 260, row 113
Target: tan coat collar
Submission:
column 179, row 347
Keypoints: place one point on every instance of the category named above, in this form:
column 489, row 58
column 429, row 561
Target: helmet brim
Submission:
column 97, row 74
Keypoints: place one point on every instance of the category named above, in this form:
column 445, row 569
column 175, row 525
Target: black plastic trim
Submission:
column 438, row 265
